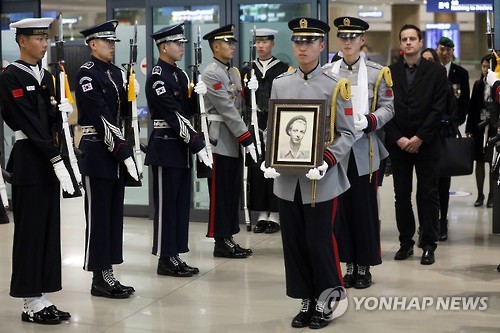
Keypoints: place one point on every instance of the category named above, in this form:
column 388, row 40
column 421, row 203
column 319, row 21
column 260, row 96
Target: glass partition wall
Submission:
column 153, row 15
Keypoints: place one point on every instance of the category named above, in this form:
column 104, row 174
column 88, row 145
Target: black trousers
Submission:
column 261, row 197
column 358, row 230
column 104, row 222
column 444, row 196
column 172, row 198
column 309, row 247
column 36, row 254
column 224, row 187
column 427, row 199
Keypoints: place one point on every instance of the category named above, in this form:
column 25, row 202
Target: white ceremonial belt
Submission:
column 214, row 117
column 160, row 123
column 20, row 135
column 88, row 130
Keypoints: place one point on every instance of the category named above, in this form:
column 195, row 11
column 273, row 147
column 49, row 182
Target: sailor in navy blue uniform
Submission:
column 267, row 68
column 228, row 134
column 26, row 96
column 101, row 98
column 170, row 142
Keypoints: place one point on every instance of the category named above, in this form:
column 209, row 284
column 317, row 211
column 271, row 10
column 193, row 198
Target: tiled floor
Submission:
column 248, row 295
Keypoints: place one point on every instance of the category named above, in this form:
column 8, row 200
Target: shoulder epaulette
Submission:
column 328, row 72
column 285, row 74
column 87, row 65
column 290, row 69
column 237, row 71
column 156, row 70
column 120, row 68
column 373, row 64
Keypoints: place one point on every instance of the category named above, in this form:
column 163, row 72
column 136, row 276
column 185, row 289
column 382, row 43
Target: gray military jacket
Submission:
column 383, row 113
column 223, row 104
column 319, row 85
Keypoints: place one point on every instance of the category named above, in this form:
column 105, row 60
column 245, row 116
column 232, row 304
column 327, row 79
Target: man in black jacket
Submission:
column 413, row 141
column 457, row 75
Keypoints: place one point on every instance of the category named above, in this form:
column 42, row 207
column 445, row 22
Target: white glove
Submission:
column 251, row 150
column 64, row 177
column 64, row 106
column 131, row 168
column 253, row 84
column 137, row 87
column 317, row 173
column 360, row 122
column 200, row 88
column 269, row 172
column 491, row 78
column 203, row 156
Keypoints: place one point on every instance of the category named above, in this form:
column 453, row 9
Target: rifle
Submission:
column 254, row 121
column 131, row 121
column 66, row 140
column 202, row 171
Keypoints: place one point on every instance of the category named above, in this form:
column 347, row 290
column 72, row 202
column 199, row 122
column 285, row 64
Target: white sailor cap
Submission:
column 264, row 33
column 32, row 26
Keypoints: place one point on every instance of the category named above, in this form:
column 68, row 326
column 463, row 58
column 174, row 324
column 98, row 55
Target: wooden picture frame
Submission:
column 295, row 135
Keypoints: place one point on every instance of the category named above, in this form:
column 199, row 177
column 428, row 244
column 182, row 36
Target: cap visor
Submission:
column 348, row 34
column 304, row 38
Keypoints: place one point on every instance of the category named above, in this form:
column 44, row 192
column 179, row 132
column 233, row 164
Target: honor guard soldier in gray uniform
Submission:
column 228, row 132
column 101, row 98
column 358, row 231
column 267, row 68
column 26, row 95
column 309, row 247
column 172, row 139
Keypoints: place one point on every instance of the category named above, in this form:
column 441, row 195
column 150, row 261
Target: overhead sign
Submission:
column 371, row 14
column 474, row 6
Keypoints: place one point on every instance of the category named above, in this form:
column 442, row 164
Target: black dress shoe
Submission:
column 260, row 227
column 318, row 321
column 349, row 280
column 404, row 252
column 192, row 270
column 479, row 201
column 44, row 317
column 63, row 315
column 498, row 268
column 107, row 291
column 129, row 289
column 490, row 201
column 228, row 250
column 272, row 227
column 303, row 318
column 363, row 280
column 172, row 267
column 427, row 257
column 239, row 248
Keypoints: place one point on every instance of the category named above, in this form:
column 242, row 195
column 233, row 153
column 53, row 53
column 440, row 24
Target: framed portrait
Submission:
column 295, row 134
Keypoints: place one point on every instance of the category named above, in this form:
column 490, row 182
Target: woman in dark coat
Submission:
column 482, row 126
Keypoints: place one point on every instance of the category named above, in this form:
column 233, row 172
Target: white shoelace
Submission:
column 350, row 268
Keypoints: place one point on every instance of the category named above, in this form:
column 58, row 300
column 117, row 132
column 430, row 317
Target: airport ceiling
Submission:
column 99, row 5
